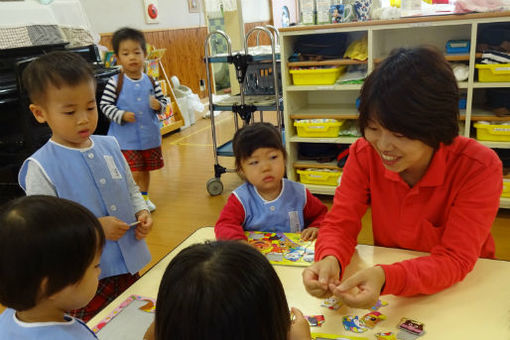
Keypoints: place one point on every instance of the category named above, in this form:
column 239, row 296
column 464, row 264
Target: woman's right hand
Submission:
column 113, row 227
column 299, row 328
column 318, row 277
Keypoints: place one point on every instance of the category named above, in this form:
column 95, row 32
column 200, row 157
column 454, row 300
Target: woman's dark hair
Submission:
column 221, row 290
column 58, row 68
column 255, row 136
column 413, row 92
column 128, row 33
column 44, row 237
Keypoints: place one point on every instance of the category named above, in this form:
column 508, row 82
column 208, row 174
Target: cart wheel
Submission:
column 214, row 186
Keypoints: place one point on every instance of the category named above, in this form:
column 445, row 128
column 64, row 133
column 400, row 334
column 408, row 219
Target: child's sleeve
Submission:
column 36, row 182
column 109, row 100
column 229, row 224
column 314, row 211
column 158, row 93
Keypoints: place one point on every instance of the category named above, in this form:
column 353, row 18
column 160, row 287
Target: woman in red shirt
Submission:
column 429, row 189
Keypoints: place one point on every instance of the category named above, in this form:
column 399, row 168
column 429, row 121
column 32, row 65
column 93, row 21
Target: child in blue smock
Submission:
column 85, row 168
column 267, row 201
column 131, row 101
column 49, row 263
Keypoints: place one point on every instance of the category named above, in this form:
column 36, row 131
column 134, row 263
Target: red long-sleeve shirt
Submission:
column 448, row 213
column 230, row 223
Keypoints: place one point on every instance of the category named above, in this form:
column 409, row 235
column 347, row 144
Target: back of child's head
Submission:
column 57, row 69
column 255, row 136
column 221, row 290
column 44, row 238
column 128, row 33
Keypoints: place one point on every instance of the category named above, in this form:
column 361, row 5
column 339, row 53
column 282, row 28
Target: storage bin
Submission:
column 493, row 72
column 316, row 76
column 457, row 46
column 506, row 188
column 493, row 133
column 328, row 128
column 319, row 176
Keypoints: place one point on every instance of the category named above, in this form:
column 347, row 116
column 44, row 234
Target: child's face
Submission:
column 79, row 294
column 264, row 169
column 70, row 112
column 131, row 57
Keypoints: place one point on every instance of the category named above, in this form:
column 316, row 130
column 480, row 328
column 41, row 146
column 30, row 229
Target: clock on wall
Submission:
column 151, row 11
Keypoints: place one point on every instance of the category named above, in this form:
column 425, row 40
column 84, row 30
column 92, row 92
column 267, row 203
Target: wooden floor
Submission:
column 183, row 204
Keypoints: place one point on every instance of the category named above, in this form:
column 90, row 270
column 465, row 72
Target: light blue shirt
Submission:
column 283, row 214
column 13, row 329
column 145, row 132
column 96, row 178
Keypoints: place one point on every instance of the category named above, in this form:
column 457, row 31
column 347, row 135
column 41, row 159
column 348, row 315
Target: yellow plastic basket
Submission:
column 317, row 76
column 506, row 188
column 493, row 72
column 492, row 133
column 325, row 128
column 319, row 177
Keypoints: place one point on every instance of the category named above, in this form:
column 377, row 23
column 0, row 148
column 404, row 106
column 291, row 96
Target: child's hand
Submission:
column 299, row 327
column 113, row 227
column 129, row 117
column 362, row 289
column 309, row 234
column 154, row 103
column 143, row 229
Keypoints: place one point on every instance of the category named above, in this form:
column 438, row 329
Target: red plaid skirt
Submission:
column 107, row 290
column 144, row 160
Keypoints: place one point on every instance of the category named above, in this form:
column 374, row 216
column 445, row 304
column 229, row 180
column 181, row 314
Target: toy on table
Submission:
column 372, row 318
column 379, row 304
column 315, row 320
column 353, row 324
column 385, row 336
column 129, row 320
column 282, row 248
column 331, row 303
column 410, row 329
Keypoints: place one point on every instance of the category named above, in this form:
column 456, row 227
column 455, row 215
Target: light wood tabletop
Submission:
column 476, row 308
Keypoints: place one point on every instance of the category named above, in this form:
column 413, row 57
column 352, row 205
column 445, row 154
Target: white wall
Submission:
column 108, row 15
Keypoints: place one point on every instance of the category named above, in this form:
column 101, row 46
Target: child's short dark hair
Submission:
column 255, row 136
column 44, row 237
column 413, row 92
column 58, row 68
column 128, row 33
column 221, row 290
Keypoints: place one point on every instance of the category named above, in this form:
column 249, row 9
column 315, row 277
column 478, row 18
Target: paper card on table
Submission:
column 325, row 336
column 283, row 248
column 128, row 321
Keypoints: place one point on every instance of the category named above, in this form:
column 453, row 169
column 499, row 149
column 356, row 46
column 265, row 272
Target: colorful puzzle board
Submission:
column 283, row 248
column 128, row 321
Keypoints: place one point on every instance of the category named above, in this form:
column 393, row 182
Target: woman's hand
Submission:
column 309, row 234
column 299, row 327
column 319, row 276
column 361, row 290
column 145, row 226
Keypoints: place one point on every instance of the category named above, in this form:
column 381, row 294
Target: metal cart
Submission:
column 257, row 78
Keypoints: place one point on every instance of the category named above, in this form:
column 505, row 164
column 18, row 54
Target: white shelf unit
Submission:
column 338, row 101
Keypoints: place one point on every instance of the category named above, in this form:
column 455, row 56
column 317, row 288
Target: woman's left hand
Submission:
column 362, row 289
column 143, row 229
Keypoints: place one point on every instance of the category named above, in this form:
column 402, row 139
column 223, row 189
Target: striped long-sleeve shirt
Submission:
column 109, row 100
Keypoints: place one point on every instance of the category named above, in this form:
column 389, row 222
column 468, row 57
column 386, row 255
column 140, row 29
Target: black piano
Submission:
column 20, row 134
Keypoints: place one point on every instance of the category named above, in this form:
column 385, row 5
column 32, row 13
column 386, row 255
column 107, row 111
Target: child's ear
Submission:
column 38, row 112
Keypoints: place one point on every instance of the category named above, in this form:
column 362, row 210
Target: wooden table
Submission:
column 476, row 308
